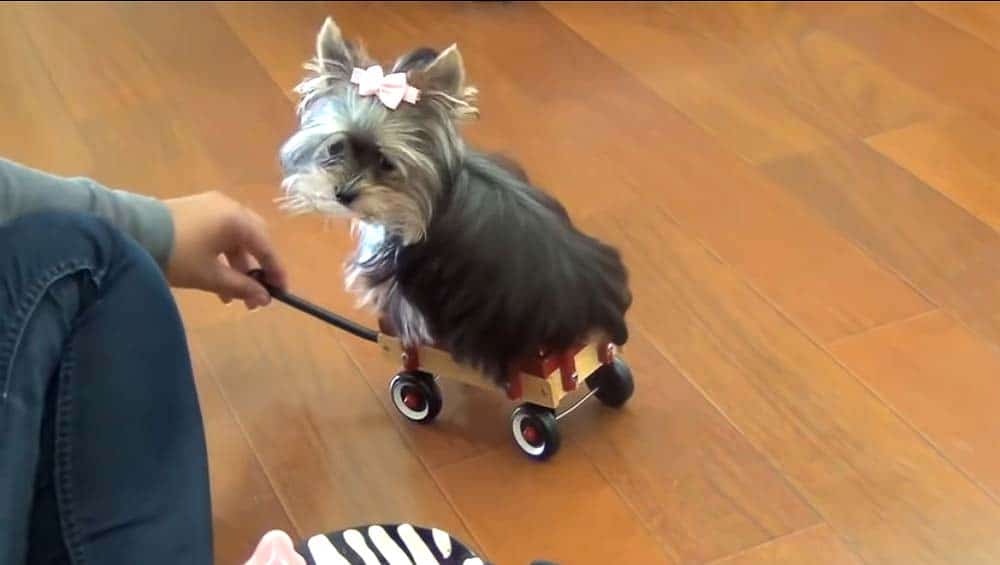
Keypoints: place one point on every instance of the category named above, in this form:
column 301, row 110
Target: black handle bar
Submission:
column 315, row 311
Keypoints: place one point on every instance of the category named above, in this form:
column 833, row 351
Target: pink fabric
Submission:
column 275, row 548
column 390, row 89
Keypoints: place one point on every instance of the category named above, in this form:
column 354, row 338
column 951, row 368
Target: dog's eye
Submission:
column 385, row 165
column 334, row 150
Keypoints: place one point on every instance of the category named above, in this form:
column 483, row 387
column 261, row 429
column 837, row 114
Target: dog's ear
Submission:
column 330, row 46
column 446, row 73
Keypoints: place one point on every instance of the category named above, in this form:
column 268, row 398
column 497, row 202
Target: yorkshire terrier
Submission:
column 457, row 249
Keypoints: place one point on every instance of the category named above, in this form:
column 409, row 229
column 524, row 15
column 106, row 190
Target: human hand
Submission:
column 216, row 243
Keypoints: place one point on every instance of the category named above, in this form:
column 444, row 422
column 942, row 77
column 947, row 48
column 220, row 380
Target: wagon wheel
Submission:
column 416, row 396
column 613, row 383
column 535, row 431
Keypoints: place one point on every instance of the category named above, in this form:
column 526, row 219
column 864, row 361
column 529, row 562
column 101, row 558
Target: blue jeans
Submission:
column 102, row 449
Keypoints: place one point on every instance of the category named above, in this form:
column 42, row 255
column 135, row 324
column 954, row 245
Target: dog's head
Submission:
column 376, row 144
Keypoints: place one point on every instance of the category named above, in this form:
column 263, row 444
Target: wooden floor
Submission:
column 807, row 197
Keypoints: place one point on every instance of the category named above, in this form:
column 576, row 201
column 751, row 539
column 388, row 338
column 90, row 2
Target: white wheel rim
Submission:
column 397, row 386
column 522, row 442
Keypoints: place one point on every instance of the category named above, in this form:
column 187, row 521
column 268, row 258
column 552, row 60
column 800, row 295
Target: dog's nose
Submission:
column 348, row 192
column 345, row 197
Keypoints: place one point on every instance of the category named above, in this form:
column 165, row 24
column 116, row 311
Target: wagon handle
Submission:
column 315, row 311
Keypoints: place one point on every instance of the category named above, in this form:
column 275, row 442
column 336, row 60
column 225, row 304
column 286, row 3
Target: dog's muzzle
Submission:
column 348, row 192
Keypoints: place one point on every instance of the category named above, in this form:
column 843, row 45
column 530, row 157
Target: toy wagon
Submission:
column 540, row 385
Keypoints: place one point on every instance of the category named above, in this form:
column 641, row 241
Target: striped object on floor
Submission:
column 402, row 544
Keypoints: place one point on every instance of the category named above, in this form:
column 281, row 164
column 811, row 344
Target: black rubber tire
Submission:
column 543, row 420
column 613, row 383
column 425, row 387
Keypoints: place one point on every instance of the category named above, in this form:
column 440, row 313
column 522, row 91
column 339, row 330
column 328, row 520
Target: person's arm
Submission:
column 187, row 236
column 24, row 190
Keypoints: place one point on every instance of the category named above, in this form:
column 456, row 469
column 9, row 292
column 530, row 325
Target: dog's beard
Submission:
column 310, row 192
column 400, row 214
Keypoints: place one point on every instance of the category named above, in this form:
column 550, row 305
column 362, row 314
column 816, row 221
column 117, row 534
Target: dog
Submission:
column 456, row 248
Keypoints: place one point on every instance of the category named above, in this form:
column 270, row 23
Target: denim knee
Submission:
column 36, row 250
column 52, row 239
column 65, row 241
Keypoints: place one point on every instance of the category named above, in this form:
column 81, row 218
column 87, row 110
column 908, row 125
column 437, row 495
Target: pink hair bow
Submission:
column 390, row 89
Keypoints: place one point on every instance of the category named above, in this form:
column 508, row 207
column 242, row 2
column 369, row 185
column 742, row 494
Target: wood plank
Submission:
column 91, row 56
column 152, row 150
column 332, row 454
column 819, row 279
column 959, row 157
column 780, row 45
column 939, row 247
column 244, row 505
column 138, row 139
column 940, row 377
column 817, row 546
column 981, row 19
column 693, row 479
column 701, row 78
column 216, row 85
column 920, row 48
column 824, row 283
column 281, row 35
column 37, row 129
column 887, row 492
column 563, row 511
column 760, row 77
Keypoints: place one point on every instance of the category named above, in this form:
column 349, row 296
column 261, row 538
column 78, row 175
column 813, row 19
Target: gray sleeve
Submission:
column 24, row 190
